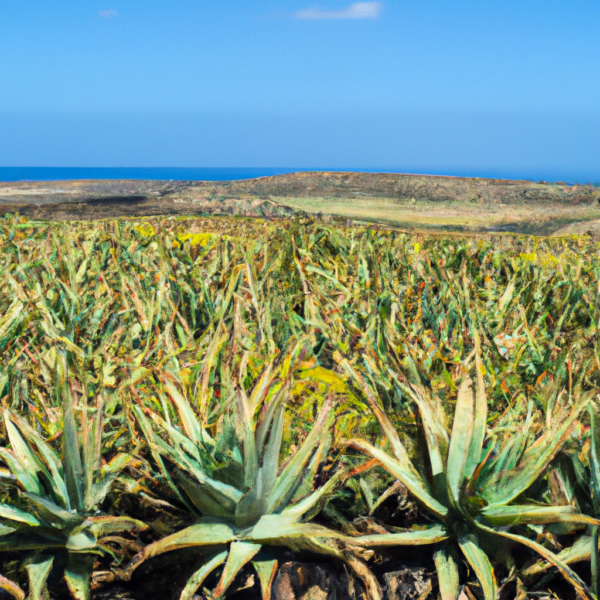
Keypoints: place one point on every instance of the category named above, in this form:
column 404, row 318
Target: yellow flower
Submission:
column 198, row 239
column 531, row 257
column 145, row 229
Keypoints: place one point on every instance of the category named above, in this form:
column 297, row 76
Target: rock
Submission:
column 407, row 584
column 309, row 581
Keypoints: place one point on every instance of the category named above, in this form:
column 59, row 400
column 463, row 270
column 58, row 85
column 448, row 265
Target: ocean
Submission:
column 155, row 173
column 226, row 174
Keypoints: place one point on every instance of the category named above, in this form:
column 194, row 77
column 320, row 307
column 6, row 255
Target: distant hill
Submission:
column 401, row 200
column 432, row 188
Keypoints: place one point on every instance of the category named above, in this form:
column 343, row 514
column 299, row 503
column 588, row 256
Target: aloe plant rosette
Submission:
column 473, row 486
column 54, row 517
column 268, row 508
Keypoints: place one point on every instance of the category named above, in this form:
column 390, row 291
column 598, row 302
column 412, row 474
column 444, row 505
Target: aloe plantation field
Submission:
column 203, row 408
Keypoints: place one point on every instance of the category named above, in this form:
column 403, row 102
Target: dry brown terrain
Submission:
column 407, row 201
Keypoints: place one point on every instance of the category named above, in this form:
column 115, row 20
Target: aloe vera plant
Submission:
column 585, row 478
column 131, row 299
column 595, row 493
column 473, row 485
column 53, row 513
column 268, row 505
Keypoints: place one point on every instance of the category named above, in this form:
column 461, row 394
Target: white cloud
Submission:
column 108, row 14
column 357, row 10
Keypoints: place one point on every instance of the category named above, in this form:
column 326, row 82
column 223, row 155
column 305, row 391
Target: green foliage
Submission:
column 54, row 497
column 269, row 499
column 221, row 366
column 474, row 491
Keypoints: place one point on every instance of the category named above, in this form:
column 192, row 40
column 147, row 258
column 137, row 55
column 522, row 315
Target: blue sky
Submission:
column 423, row 85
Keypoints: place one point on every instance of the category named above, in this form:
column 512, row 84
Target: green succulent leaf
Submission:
column 27, row 459
column 266, row 568
column 53, row 514
column 81, row 540
column 107, row 475
column 254, row 502
column 51, row 459
column 411, row 537
column 517, row 479
column 15, row 514
column 7, row 529
column 480, row 563
column 392, row 466
column 460, row 448
column 78, row 574
column 153, row 443
column 446, row 565
column 594, row 460
column 595, row 492
column 296, row 511
column 276, row 530
column 72, row 457
column 38, row 570
column 197, row 579
column 581, row 550
column 398, row 448
column 291, row 476
column 435, row 433
column 201, row 535
column 552, row 558
column 210, row 497
column 240, row 554
column 505, row 516
column 190, row 423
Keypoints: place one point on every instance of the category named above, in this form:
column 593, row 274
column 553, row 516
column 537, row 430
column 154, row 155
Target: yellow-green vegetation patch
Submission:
column 248, row 388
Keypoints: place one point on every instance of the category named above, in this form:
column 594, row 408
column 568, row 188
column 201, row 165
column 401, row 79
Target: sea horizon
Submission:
column 16, row 174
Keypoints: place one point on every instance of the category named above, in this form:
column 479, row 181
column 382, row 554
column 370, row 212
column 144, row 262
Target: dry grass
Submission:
column 465, row 216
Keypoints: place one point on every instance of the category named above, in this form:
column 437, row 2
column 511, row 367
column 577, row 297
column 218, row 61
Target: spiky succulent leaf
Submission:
column 266, row 569
column 197, row 579
column 412, row 537
column 11, row 513
column 240, row 554
column 78, row 574
column 38, row 570
column 460, row 449
column 480, row 563
column 506, row 516
column 291, row 476
column 550, row 556
column 201, row 534
column 392, row 466
column 72, row 457
column 446, row 565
